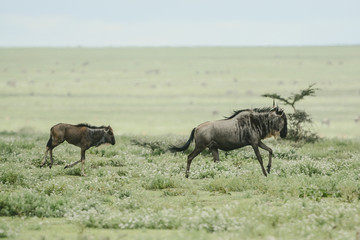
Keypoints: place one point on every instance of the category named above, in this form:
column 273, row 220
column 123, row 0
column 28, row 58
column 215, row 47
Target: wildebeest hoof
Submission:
column 66, row 166
column 50, row 166
column 268, row 170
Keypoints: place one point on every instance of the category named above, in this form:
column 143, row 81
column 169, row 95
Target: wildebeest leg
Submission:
column 82, row 161
column 258, row 155
column 191, row 156
column 51, row 158
column 45, row 157
column 73, row 164
column 263, row 146
column 215, row 154
column 50, row 146
column 51, row 155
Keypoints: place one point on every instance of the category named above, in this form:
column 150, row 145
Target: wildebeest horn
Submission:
column 273, row 102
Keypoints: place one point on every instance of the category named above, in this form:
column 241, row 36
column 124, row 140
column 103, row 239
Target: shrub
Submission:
column 116, row 163
column 54, row 188
column 313, row 192
column 349, row 190
column 124, row 194
column 122, row 173
column 226, row 185
column 12, row 177
column 157, row 147
column 173, row 192
column 159, row 182
column 74, row 171
column 6, row 148
column 309, row 169
column 97, row 151
column 27, row 203
column 3, row 233
column 111, row 153
column 210, row 173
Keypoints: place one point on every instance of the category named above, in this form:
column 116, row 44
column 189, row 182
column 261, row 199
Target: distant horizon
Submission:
column 189, row 46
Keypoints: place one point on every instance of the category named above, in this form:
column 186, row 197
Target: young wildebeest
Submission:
column 81, row 135
column 244, row 127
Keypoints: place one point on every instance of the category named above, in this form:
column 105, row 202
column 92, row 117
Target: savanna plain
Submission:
column 153, row 98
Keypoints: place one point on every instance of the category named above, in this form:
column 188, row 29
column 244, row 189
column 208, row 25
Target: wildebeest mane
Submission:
column 258, row 110
column 89, row 126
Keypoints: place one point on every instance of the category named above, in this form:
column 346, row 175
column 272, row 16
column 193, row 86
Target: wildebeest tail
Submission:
column 49, row 143
column 187, row 144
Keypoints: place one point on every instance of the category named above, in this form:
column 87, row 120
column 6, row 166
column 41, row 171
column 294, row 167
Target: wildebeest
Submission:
column 357, row 119
column 81, row 135
column 244, row 127
column 325, row 121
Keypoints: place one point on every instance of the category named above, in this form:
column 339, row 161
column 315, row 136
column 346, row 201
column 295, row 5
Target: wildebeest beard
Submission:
column 97, row 136
column 258, row 123
column 283, row 131
column 262, row 124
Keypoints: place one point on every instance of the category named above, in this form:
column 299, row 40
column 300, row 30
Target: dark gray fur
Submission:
column 243, row 128
column 96, row 137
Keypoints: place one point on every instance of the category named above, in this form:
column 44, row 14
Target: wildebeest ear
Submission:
column 279, row 111
column 274, row 109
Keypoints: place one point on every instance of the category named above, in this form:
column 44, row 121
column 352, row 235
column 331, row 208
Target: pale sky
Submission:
column 67, row 23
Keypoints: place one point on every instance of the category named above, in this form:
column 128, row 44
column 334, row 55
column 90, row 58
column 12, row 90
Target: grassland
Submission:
column 135, row 192
column 153, row 97
column 171, row 90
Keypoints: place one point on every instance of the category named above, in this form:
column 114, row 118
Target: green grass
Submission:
column 312, row 192
column 153, row 97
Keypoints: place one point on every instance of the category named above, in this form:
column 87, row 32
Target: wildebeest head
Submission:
column 109, row 135
column 278, row 122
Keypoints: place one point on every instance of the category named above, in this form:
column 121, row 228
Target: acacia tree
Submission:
column 299, row 119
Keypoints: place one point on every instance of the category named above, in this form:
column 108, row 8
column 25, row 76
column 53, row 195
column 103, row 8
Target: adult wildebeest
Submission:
column 244, row 127
column 81, row 135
